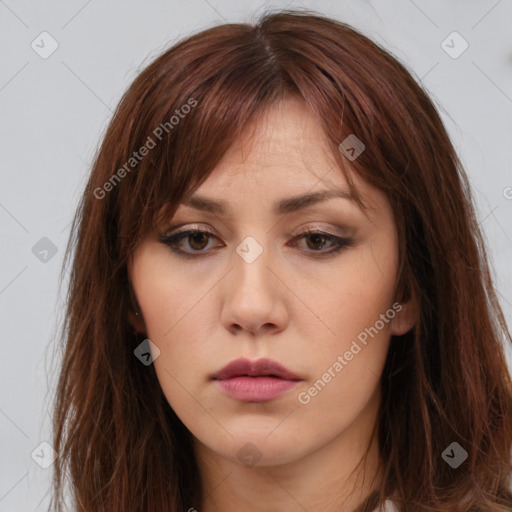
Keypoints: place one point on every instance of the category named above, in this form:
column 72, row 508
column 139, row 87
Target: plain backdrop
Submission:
column 55, row 108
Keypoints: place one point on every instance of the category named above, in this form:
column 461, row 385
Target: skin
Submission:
column 290, row 305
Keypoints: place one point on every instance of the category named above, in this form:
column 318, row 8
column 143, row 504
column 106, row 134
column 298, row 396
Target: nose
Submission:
column 254, row 297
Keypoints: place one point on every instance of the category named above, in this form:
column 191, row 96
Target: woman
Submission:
column 279, row 297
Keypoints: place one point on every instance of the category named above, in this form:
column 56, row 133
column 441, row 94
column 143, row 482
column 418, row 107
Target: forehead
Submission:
column 282, row 161
column 283, row 150
column 286, row 136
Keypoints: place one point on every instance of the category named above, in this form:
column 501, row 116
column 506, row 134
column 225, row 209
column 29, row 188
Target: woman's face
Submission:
column 320, row 305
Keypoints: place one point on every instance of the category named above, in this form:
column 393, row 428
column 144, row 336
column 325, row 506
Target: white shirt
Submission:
column 388, row 506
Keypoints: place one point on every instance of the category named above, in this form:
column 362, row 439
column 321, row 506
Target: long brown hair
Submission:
column 445, row 381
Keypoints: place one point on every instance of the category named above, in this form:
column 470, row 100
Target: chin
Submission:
column 261, row 450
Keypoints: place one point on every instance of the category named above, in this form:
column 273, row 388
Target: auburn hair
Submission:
column 120, row 445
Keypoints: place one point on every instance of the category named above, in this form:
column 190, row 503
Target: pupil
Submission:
column 195, row 237
column 317, row 237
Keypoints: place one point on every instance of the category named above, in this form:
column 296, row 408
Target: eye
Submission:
column 316, row 240
column 197, row 240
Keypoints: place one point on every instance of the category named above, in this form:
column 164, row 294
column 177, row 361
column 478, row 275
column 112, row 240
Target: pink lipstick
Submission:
column 255, row 381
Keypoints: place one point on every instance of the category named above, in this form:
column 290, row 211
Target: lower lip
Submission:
column 256, row 389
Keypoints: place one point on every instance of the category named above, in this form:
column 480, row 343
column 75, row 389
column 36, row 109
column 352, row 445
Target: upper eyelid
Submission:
column 209, row 232
column 185, row 228
column 181, row 229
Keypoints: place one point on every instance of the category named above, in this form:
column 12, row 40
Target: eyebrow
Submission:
column 281, row 207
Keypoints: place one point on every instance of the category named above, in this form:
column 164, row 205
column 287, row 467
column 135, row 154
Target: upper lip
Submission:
column 258, row 368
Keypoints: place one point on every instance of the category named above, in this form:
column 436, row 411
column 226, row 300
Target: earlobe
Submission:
column 135, row 314
column 137, row 322
column 405, row 318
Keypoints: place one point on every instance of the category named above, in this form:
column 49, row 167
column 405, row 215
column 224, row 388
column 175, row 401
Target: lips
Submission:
column 259, row 368
column 263, row 380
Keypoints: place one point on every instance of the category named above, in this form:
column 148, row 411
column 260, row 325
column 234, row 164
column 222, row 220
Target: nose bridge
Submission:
column 251, row 297
column 251, row 261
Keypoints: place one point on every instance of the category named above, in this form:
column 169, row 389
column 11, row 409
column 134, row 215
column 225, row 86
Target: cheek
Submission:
column 179, row 330
column 174, row 322
column 166, row 295
column 350, row 295
column 178, row 318
column 345, row 371
column 354, row 302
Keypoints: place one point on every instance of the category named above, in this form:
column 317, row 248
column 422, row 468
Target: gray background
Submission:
column 55, row 110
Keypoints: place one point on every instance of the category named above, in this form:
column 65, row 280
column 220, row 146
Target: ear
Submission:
column 405, row 318
column 137, row 322
column 135, row 317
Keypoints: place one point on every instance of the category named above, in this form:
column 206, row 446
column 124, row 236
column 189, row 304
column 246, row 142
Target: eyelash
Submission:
column 174, row 239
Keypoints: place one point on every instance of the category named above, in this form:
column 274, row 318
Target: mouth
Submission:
column 255, row 381
column 260, row 368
